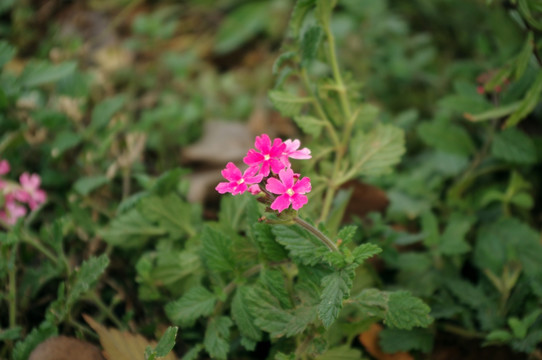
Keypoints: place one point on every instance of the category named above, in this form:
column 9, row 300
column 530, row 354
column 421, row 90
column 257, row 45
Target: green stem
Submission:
column 94, row 298
column 12, row 275
column 469, row 334
column 320, row 235
column 341, row 89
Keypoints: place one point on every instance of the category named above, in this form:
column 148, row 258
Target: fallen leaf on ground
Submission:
column 65, row 348
column 369, row 339
column 122, row 345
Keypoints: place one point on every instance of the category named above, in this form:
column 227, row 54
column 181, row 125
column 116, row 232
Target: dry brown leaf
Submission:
column 65, row 348
column 369, row 339
column 122, row 345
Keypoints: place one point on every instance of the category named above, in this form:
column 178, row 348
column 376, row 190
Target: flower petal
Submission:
column 298, row 201
column 231, row 172
column 255, row 189
column 287, row 178
column 277, row 149
column 281, row 203
column 253, row 158
column 275, row 186
column 263, row 143
column 304, row 153
column 224, row 187
column 276, row 165
column 302, row 186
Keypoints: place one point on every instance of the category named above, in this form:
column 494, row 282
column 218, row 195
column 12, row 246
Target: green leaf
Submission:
column 270, row 248
column 274, row 281
column 430, row 229
column 523, row 58
column 217, row 250
column 452, row 241
column 193, row 353
column 346, row 234
column 289, row 105
column 38, row 335
column 343, row 352
column 86, row 277
column 495, row 113
column 467, row 293
column 217, row 335
column 41, row 72
column 365, row 251
column 336, row 288
column 310, row 42
column 395, row 340
column 198, row 301
column 104, row 111
column 377, row 152
column 518, row 328
column 242, row 317
column 528, row 103
column 398, row 309
column 299, row 12
column 7, row 52
column 499, row 336
column 446, row 137
column 281, row 60
column 309, row 124
column 64, row 141
column 301, row 244
column 241, row 25
column 86, row 185
column 130, row 229
column 10, row 334
column 171, row 212
column 164, row 346
column 514, row 146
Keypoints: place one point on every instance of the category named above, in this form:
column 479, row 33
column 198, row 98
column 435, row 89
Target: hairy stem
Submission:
column 320, row 235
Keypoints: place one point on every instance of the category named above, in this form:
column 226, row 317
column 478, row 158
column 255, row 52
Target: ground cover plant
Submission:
column 310, row 179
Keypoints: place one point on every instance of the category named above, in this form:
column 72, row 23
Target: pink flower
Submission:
column 254, row 189
column 12, row 211
column 4, row 167
column 237, row 182
column 290, row 192
column 291, row 151
column 269, row 157
column 30, row 192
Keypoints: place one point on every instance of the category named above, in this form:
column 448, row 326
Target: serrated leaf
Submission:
column 198, row 301
column 104, row 111
column 241, row 25
column 364, row 252
column 38, row 335
column 130, row 230
column 11, row 333
column 299, row 12
column 310, row 42
column 41, row 72
column 467, row 293
column 7, row 52
column 514, row 146
column 86, row 185
column 528, row 103
column 171, row 212
column 288, row 104
column 217, row 335
column 336, row 287
column 165, row 345
column 398, row 309
column 281, row 60
column 242, row 317
column 271, row 249
column 346, row 234
column 395, row 340
column 274, row 281
column 377, row 152
column 86, row 277
column 217, row 250
column 309, row 124
column 301, row 245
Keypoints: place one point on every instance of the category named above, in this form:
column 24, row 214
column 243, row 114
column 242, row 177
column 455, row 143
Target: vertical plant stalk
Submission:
column 320, row 235
column 12, row 281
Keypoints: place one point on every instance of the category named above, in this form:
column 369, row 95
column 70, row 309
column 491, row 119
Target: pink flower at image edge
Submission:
column 4, row 167
column 290, row 192
column 30, row 192
column 238, row 182
column 269, row 157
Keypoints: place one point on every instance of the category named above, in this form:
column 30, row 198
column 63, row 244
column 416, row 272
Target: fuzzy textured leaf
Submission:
column 309, row 124
column 336, row 288
column 86, row 277
column 171, row 212
column 217, row 335
column 130, row 229
column 217, row 250
column 301, row 245
column 197, row 302
column 242, row 317
column 288, row 104
column 395, row 340
column 514, row 146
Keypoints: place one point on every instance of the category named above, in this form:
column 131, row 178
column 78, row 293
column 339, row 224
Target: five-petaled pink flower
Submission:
column 290, row 151
column 12, row 211
column 290, row 192
column 238, row 182
column 269, row 157
column 30, row 192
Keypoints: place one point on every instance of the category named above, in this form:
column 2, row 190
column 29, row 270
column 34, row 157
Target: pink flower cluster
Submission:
column 14, row 195
column 269, row 163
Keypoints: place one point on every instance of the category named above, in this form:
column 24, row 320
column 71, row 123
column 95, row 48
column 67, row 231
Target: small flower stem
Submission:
column 320, row 235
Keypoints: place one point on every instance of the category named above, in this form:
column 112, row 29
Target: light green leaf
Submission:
column 365, row 251
column 266, row 240
column 522, row 60
column 288, row 104
column 38, row 335
column 501, row 336
column 528, row 103
column 198, row 301
column 86, row 185
column 309, row 124
column 446, row 137
column 346, row 234
column 495, row 113
column 242, row 317
column 514, row 146
column 86, row 277
column 217, row 335
column 41, row 72
column 518, row 328
column 452, row 241
column 377, row 152
column 193, row 353
column 104, row 111
column 217, row 250
column 241, row 25
column 171, row 212
column 65, row 140
column 343, row 352
column 310, row 42
column 130, row 229
column 164, row 346
column 336, row 287
column 395, row 340
column 300, row 243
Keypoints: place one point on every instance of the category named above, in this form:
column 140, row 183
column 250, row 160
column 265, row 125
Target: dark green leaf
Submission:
column 301, row 9
column 164, row 346
column 86, row 277
column 42, row 72
column 394, row 340
column 242, row 317
column 7, row 52
column 452, row 241
column 86, row 185
column 193, row 353
column 173, row 214
column 38, row 335
column 310, row 42
column 198, row 301
column 301, row 245
column 217, row 335
column 217, row 250
column 272, row 249
column 446, row 137
column 514, row 146
column 104, row 111
column 365, row 251
column 336, row 288
column 130, row 230
column 528, row 103
column 274, row 281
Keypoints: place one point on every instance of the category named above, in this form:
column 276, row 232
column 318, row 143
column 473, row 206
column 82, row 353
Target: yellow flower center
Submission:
column 290, row 192
column 240, row 181
column 266, row 157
